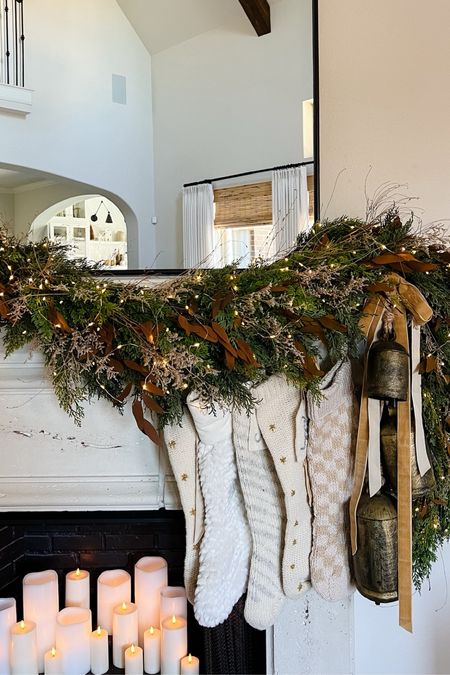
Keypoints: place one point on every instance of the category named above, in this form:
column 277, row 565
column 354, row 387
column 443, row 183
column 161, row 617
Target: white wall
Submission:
column 74, row 129
column 7, row 210
column 225, row 102
column 385, row 103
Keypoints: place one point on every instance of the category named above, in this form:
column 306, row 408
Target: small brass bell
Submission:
column 375, row 561
column 420, row 485
column 388, row 367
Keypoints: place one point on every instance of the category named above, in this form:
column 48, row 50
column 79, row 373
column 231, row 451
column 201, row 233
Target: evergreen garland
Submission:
column 215, row 330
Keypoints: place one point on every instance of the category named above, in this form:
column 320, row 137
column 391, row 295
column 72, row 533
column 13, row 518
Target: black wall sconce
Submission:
column 94, row 217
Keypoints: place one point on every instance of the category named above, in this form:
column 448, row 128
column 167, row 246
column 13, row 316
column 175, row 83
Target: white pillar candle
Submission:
column 8, row 618
column 78, row 589
column 99, row 651
column 173, row 602
column 134, row 660
column 173, row 644
column 190, row 665
column 53, row 662
column 113, row 588
column 24, row 654
column 73, row 638
column 125, row 631
column 152, row 650
column 41, row 605
column 150, row 575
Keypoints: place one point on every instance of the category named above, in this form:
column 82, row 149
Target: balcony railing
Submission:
column 12, row 43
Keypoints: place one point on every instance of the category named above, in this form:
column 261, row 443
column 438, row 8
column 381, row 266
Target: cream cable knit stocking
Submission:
column 330, row 454
column 281, row 404
column 226, row 545
column 181, row 442
column 265, row 510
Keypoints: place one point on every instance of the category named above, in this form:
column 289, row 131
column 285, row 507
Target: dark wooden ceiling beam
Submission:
column 258, row 12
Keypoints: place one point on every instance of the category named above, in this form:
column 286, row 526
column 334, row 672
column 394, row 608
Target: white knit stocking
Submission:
column 181, row 442
column 226, row 545
column 330, row 453
column 265, row 510
column 277, row 413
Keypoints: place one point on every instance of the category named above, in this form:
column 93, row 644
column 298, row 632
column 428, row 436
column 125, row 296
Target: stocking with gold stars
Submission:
column 181, row 442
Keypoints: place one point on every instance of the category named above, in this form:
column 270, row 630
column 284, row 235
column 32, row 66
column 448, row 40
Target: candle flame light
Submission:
column 22, row 624
column 190, row 658
column 152, row 630
column 133, row 649
column 124, row 605
column 78, row 572
column 174, row 620
column 99, row 630
column 53, row 652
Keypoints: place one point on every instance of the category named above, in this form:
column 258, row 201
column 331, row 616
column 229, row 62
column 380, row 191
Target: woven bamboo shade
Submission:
column 244, row 205
column 249, row 205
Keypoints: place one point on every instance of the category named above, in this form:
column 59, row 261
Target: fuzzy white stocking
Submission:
column 330, row 453
column 226, row 546
column 181, row 442
column 280, row 416
column 265, row 510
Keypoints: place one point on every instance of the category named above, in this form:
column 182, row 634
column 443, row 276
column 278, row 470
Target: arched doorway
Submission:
column 91, row 226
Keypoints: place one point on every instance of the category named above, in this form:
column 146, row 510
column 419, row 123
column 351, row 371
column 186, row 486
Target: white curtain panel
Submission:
column 198, row 226
column 290, row 206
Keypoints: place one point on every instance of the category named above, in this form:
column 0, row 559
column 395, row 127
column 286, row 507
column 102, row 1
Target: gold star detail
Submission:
column 292, row 493
column 283, row 460
column 296, row 523
column 293, row 566
column 184, row 476
column 299, row 587
column 294, row 541
column 272, row 427
column 192, row 512
column 172, row 444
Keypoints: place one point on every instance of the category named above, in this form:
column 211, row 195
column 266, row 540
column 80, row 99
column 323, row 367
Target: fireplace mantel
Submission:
column 107, row 464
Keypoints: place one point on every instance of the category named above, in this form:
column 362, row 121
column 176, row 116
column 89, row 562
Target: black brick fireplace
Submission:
column 96, row 541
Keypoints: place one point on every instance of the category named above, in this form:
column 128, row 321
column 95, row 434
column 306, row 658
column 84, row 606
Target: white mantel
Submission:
column 50, row 464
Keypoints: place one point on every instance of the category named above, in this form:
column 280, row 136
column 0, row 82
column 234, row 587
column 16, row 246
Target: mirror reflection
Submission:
column 181, row 136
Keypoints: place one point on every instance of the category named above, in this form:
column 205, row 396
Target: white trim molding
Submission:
column 16, row 99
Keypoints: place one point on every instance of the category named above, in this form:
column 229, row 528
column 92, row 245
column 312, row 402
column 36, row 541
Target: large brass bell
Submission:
column 420, row 485
column 388, row 367
column 375, row 561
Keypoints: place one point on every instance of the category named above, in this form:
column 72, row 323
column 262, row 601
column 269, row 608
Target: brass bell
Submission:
column 388, row 367
column 375, row 561
column 420, row 485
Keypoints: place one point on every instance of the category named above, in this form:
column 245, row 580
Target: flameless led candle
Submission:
column 24, row 655
column 190, row 665
column 150, row 575
column 73, row 638
column 99, row 651
column 125, row 631
column 134, row 660
column 173, row 644
column 113, row 588
column 41, row 605
column 173, row 602
column 53, row 662
column 78, row 589
column 7, row 619
column 152, row 650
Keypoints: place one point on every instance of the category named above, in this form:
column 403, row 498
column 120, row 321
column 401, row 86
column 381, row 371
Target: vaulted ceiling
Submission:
column 164, row 23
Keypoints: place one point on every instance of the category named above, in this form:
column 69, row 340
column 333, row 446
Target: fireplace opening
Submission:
column 98, row 541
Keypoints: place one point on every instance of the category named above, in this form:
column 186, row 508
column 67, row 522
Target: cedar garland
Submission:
column 216, row 330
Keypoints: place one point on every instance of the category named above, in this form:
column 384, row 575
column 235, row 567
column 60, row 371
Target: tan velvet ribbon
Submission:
column 404, row 297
